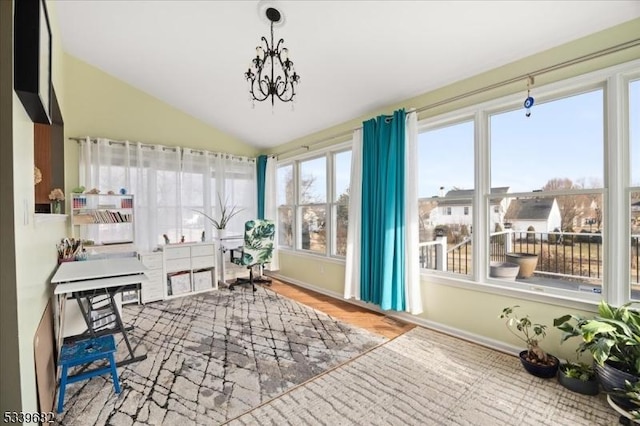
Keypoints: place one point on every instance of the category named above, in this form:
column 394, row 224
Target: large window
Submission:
column 446, row 187
column 340, row 204
column 552, row 188
column 313, row 202
column 285, row 204
column 553, row 160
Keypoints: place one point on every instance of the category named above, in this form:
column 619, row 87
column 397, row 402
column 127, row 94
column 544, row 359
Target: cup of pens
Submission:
column 70, row 249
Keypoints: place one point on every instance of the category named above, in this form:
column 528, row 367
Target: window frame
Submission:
column 330, row 204
column 616, row 185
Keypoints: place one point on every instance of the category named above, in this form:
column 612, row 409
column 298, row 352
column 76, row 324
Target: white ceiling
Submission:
column 353, row 56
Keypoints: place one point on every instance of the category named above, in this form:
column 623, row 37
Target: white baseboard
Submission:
column 406, row 317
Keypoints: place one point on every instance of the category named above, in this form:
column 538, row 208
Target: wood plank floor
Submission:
column 344, row 311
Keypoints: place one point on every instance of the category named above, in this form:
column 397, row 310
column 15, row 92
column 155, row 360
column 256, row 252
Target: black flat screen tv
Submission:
column 32, row 58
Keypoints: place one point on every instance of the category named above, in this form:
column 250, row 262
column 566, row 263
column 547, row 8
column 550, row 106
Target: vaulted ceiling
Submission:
column 353, row 56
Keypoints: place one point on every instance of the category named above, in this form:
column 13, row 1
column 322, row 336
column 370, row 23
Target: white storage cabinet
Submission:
column 189, row 268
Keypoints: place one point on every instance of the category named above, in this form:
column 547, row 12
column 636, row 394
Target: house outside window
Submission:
column 466, row 210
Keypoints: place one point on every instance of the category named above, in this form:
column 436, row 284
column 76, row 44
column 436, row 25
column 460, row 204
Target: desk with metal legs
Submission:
column 226, row 244
column 94, row 284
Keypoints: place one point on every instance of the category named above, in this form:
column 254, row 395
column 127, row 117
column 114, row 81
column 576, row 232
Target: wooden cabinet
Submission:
column 48, row 147
column 189, row 268
column 153, row 289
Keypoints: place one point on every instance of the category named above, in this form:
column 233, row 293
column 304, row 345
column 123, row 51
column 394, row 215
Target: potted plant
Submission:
column 631, row 393
column 226, row 214
column 613, row 339
column 578, row 377
column 533, row 359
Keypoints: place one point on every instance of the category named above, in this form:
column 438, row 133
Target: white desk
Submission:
column 85, row 280
column 101, row 268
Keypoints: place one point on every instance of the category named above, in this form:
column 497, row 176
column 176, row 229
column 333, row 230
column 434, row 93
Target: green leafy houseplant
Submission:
column 612, row 336
column 630, row 393
column 578, row 377
column 531, row 334
column 579, row 371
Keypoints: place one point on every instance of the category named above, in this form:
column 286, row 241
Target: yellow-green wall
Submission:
column 29, row 258
column 99, row 105
column 458, row 309
column 584, row 46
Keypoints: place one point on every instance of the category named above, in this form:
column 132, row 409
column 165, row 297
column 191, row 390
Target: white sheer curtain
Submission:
column 413, row 295
column 168, row 184
column 196, row 194
column 236, row 185
column 352, row 268
column 271, row 207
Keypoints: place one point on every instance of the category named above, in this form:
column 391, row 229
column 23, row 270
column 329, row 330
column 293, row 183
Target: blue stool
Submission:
column 85, row 352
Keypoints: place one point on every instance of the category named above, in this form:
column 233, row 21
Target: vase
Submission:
column 527, row 262
column 222, row 233
column 56, row 207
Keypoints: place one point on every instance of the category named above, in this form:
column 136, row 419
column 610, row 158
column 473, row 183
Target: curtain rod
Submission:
column 538, row 72
column 173, row 148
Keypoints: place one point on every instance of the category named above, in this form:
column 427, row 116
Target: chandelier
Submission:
column 271, row 74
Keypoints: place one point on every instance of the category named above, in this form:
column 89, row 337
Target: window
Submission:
column 634, row 196
column 340, row 205
column 285, row 204
column 314, row 218
column 312, row 202
column 445, row 188
column 558, row 149
column 548, row 189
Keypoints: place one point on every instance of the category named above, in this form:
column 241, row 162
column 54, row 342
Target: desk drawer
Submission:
column 175, row 265
column 177, row 252
column 202, row 250
column 202, row 262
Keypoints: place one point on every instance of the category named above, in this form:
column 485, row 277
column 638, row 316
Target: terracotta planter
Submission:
column 526, row 261
column 504, row 270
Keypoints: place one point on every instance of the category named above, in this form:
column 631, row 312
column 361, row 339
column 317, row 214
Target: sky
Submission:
column 561, row 139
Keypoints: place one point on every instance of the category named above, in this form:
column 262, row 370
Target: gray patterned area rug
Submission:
column 212, row 357
column 428, row 378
